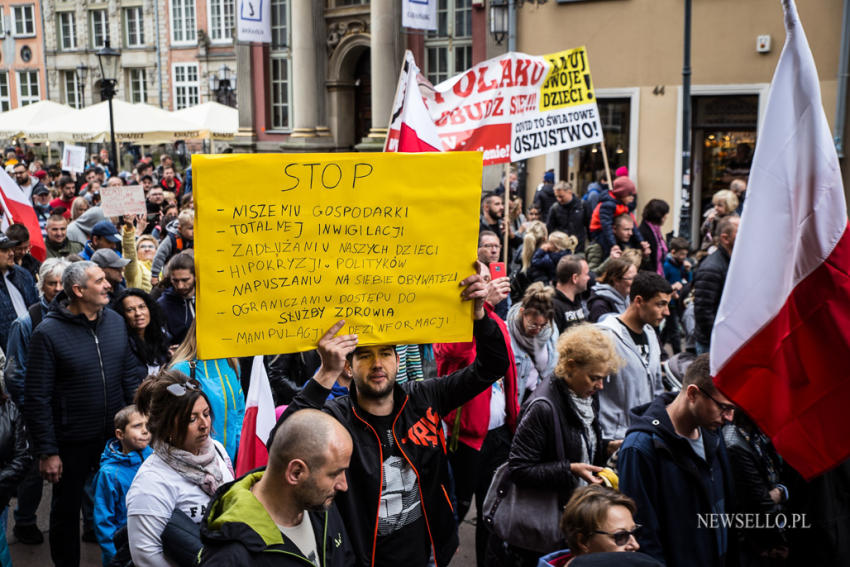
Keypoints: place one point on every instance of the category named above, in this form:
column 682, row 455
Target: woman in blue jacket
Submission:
column 219, row 380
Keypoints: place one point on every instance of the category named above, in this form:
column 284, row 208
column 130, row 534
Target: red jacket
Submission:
column 475, row 414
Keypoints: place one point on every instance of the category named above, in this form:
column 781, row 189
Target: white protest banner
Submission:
column 419, row 14
column 128, row 200
column 512, row 107
column 74, row 158
column 254, row 21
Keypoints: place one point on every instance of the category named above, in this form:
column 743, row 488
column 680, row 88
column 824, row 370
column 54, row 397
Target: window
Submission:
column 280, row 93
column 186, row 87
column 24, row 17
column 67, row 31
column 138, row 85
column 99, row 28
column 280, row 83
column 280, row 23
column 183, row 27
column 28, row 87
column 5, row 99
column 134, row 32
column 222, row 19
column 448, row 50
column 73, row 89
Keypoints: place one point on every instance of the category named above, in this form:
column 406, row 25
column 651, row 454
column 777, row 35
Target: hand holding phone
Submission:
column 497, row 270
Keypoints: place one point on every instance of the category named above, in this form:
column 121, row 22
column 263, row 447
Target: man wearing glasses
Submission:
column 673, row 463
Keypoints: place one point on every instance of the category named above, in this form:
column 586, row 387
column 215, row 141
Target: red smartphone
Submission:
column 497, row 270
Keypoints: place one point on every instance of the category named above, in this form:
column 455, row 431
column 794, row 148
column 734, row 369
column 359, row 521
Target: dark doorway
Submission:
column 362, row 97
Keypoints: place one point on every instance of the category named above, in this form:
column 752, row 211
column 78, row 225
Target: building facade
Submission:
column 635, row 50
column 22, row 77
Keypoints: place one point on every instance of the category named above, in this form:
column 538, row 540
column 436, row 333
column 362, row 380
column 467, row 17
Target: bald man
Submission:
column 285, row 514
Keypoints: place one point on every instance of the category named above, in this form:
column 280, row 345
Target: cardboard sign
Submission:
column 379, row 240
column 74, row 158
column 509, row 108
column 128, row 200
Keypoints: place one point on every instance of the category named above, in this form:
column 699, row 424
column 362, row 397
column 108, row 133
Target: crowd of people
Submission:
column 580, row 426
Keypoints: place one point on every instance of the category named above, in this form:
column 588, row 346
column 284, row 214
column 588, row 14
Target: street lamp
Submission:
column 82, row 72
column 107, row 58
column 223, row 85
column 499, row 20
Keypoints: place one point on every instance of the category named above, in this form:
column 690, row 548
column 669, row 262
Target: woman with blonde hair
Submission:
column 78, row 207
column 219, row 379
column 546, row 258
column 535, row 235
column 725, row 202
column 564, row 408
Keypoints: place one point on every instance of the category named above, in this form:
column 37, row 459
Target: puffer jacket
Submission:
column 25, row 284
column 221, row 384
column 709, row 280
column 237, row 530
column 417, row 410
column 15, row 458
column 172, row 244
column 533, row 460
column 78, row 377
column 602, row 220
column 568, row 218
column 113, row 480
column 179, row 313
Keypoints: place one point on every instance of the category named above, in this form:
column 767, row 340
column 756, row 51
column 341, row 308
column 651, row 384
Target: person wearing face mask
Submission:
column 598, row 523
column 586, row 357
column 533, row 337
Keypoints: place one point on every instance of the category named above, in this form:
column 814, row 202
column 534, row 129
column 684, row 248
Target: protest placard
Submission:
column 73, row 158
column 380, row 240
column 510, row 108
column 126, row 200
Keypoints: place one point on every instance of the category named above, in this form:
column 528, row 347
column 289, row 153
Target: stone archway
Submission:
column 341, row 85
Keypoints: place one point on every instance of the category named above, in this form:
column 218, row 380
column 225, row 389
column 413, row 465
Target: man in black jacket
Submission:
column 709, row 280
column 397, row 511
column 567, row 215
column 80, row 372
column 285, row 515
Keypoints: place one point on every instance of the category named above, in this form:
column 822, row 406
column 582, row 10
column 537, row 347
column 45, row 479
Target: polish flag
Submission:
column 258, row 423
column 411, row 128
column 18, row 209
column 781, row 341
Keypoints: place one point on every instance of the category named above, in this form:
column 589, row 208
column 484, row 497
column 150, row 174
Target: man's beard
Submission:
column 367, row 391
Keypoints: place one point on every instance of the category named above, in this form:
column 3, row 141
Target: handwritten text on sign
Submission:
column 380, row 240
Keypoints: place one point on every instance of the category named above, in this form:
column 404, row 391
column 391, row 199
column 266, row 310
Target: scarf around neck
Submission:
column 531, row 345
column 202, row 469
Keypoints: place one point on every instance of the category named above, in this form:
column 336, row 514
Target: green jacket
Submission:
column 237, row 530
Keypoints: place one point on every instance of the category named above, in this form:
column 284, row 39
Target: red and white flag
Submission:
column 411, row 127
column 258, row 423
column 781, row 341
column 18, row 209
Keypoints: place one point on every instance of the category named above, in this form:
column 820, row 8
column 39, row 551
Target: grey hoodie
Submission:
column 608, row 292
column 635, row 384
column 80, row 229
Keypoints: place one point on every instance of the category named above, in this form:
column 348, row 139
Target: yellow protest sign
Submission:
column 568, row 82
column 288, row 244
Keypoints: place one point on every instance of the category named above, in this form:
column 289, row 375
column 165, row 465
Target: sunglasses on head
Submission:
column 180, row 389
column 621, row 537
